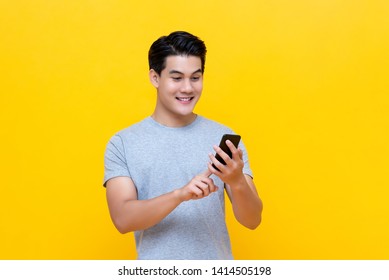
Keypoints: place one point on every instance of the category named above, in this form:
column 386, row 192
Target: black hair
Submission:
column 176, row 43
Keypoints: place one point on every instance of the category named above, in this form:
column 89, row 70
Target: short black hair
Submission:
column 176, row 43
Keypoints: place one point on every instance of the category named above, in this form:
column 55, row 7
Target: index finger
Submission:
column 206, row 173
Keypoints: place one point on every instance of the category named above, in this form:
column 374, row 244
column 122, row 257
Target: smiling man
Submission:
column 160, row 174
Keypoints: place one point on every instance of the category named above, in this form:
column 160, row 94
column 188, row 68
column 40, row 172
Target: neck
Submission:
column 174, row 121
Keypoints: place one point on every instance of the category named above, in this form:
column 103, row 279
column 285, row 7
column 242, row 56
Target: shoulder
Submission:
column 211, row 124
column 130, row 131
column 135, row 128
column 120, row 139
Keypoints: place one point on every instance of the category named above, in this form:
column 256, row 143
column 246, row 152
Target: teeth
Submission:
column 184, row 98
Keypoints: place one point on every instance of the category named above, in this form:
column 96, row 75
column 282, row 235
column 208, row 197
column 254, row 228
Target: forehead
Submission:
column 183, row 64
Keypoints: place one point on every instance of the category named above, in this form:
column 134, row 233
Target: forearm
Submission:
column 246, row 204
column 130, row 214
column 142, row 214
column 241, row 189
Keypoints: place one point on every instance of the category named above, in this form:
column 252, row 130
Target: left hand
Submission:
column 232, row 172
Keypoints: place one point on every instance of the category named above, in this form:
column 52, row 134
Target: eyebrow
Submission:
column 178, row 72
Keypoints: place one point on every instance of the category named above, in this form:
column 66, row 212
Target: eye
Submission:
column 196, row 78
column 176, row 78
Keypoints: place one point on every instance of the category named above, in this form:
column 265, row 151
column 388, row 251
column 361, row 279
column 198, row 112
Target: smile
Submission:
column 184, row 99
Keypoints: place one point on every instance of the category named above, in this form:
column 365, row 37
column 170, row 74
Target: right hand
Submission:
column 199, row 187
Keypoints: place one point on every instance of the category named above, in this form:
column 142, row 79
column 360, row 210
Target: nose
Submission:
column 186, row 86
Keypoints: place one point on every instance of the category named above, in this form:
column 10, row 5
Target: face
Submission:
column 179, row 88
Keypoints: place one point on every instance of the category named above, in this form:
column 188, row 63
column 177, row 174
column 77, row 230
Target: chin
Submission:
column 185, row 111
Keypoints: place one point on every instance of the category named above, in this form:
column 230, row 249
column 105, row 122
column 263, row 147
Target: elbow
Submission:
column 255, row 220
column 125, row 225
column 122, row 230
column 121, row 226
column 255, row 224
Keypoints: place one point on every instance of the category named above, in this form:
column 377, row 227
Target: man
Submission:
column 159, row 174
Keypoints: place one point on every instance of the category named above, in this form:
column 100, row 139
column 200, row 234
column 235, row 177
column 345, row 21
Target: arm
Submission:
column 246, row 204
column 241, row 190
column 130, row 214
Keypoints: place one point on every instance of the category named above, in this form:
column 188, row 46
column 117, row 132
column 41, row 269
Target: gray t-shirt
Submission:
column 160, row 159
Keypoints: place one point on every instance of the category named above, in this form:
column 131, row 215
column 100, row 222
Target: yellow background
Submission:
column 304, row 82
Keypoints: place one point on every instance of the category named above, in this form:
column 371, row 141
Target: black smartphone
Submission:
column 234, row 138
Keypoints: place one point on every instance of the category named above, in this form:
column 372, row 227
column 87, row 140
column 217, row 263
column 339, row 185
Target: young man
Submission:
column 159, row 174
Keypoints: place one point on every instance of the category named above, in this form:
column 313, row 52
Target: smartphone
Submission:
column 235, row 139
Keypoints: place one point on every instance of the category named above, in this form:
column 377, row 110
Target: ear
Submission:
column 154, row 78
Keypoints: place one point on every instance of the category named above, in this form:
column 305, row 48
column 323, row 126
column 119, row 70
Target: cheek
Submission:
column 198, row 87
column 171, row 87
column 167, row 89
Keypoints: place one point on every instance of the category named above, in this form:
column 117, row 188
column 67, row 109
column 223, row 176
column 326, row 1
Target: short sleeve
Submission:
column 246, row 169
column 115, row 163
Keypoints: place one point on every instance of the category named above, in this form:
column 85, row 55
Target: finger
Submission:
column 222, row 154
column 233, row 149
column 215, row 163
column 206, row 173
column 203, row 187
column 240, row 153
column 206, row 191
column 214, row 170
column 196, row 191
column 231, row 146
column 212, row 187
column 202, row 184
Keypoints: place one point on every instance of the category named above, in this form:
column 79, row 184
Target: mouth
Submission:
column 184, row 99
